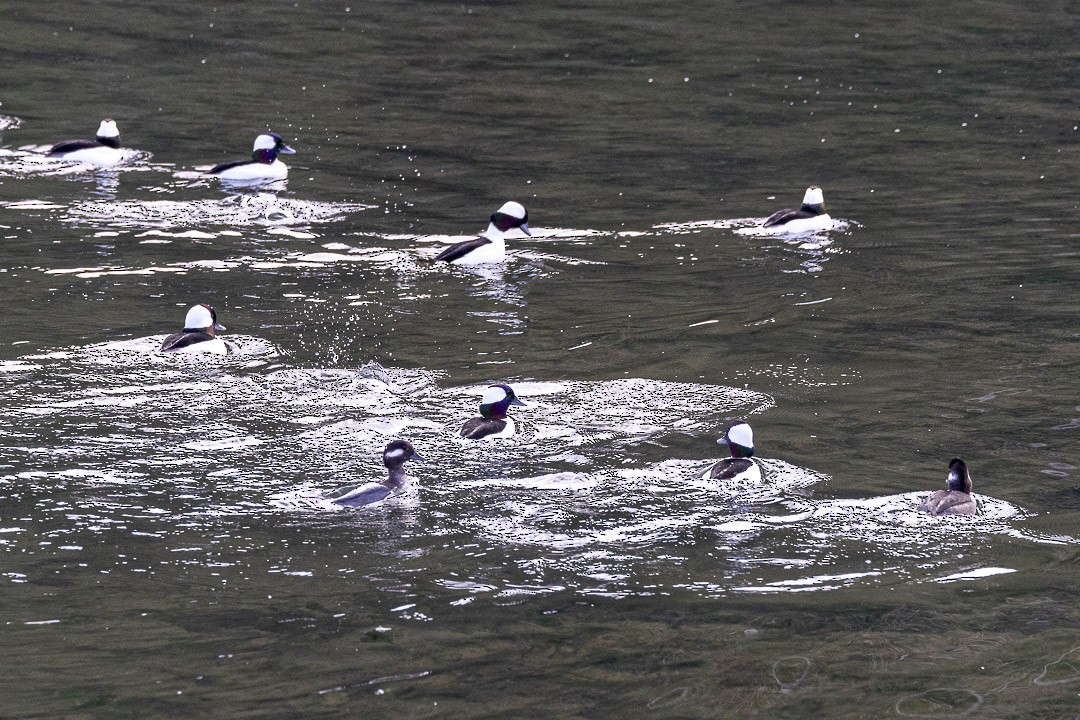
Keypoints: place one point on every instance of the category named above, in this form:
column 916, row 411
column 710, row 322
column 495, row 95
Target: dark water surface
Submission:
column 166, row 549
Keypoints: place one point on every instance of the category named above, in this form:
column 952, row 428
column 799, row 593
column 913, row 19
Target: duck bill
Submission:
column 286, row 150
column 519, row 402
column 417, row 457
column 525, row 229
column 219, row 327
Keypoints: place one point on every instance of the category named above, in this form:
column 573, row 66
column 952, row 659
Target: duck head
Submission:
column 497, row 400
column 268, row 146
column 397, row 452
column 959, row 477
column 108, row 133
column 739, row 437
column 511, row 215
column 813, row 199
column 202, row 318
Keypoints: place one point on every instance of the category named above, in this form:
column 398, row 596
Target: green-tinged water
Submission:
column 167, row 548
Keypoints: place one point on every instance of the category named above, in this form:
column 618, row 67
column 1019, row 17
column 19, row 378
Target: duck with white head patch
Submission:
column 957, row 500
column 490, row 246
column 810, row 217
column 263, row 166
column 395, row 455
column 200, row 324
column 739, row 437
column 493, row 422
column 103, row 150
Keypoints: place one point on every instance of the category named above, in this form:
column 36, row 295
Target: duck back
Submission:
column 949, row 502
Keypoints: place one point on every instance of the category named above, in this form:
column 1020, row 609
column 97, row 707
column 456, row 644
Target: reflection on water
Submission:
column 811, row 249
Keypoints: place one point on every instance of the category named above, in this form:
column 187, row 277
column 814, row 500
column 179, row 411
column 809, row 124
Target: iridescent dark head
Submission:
column 511, row 215
column 739, row 437
column 497, row 400
column 268, row 146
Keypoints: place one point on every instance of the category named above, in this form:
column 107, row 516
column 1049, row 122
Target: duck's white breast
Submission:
column 493, row 252
column 276, row 170
column 216, row 346
column 506, row 432
column 804, row 225
column 103, row 156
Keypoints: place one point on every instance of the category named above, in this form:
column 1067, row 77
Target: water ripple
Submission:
column 123, row 439
column 260, row 209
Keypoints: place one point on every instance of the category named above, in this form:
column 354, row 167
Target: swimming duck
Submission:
column 394, row 457
column 957, row 500
column 493, row 422
column 490, row 246
column 739, row 438
column 103, row 150
column 200, row 324
column 264, row 164
column 809, row 217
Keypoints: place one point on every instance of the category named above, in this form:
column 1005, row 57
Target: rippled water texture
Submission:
column 167, row 543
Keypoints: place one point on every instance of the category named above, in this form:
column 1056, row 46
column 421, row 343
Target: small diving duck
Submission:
column 394, row 457
column 493, row 422
column 264, row 164
column 810, row 217
column 490, row 246
column 103, row 150
column 200, row 324
column 957, row 500
column 739, row 438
